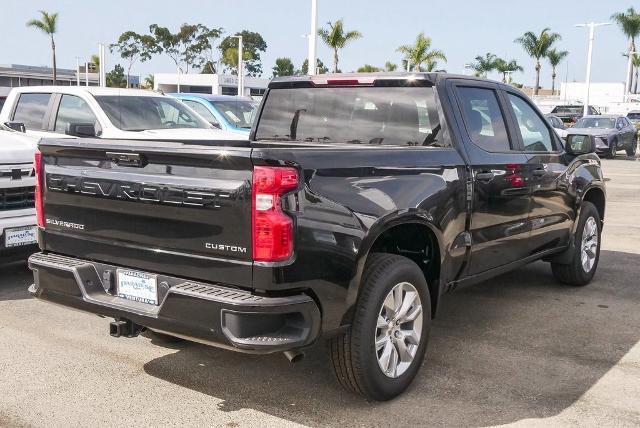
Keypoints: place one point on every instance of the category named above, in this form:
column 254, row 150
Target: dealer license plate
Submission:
column 138, row 286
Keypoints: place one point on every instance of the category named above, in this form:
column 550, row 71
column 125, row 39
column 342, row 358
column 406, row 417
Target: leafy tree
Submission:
column 252, row 45
column 48, row 24
column 484, row 64
column 538, row 46
column 389, row 66
column 283, row 67
column 230, row 59
column 504, row 67
column 555, row 57
column 367, row 68
column 629, row 23
column 116, row 78
column 188, row 47
column 336, row 38
column 133, row 47
column 320, row 67
column 421, row 53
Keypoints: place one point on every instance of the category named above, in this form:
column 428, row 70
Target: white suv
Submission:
column 17, row 188
column 112, row 113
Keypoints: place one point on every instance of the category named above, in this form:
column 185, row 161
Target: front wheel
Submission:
column 586, row 249
column 381, row 353
column 613, row 149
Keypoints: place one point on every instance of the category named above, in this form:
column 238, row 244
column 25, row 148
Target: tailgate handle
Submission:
column 128, row 159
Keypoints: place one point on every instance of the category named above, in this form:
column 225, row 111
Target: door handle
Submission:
column 539, row 172
column 485, row 176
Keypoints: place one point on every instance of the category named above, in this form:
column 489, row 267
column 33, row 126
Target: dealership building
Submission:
column 14, row 75
column 216, row 84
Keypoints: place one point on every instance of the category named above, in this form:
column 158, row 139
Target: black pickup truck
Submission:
column 358, row 201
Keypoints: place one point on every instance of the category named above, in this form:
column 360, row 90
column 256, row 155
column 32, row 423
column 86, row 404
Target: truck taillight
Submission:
column 272, row 228
column 37, row 167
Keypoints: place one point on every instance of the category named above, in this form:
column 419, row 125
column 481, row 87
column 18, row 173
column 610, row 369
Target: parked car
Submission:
column 358, row 202
column 18, row 229
column 110, row 113
column 226, row 112
column 612, row 133
column 557, row 124
column 569, row 114
column 634, row 117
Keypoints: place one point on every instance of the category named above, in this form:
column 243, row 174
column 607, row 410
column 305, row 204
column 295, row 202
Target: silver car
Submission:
column 612, row 133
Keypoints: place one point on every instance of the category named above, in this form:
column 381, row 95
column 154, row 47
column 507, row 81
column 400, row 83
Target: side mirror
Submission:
column 216, row 125
column 86, row 130
column 580, row 144
column 16, row 126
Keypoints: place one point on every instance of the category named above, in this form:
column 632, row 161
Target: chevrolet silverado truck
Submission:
column 357, row 202
column 18, row 229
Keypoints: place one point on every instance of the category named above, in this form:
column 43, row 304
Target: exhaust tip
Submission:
column 294, row 356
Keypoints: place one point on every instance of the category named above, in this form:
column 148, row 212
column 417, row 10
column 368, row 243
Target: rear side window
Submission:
column 396, row 116
column 73, row 110
column 31, row 109
column 483, row 119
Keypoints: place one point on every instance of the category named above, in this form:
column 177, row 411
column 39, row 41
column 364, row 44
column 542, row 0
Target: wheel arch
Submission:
column 395, row 229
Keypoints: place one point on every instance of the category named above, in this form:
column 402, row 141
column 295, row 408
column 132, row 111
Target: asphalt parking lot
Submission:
column 520, row 349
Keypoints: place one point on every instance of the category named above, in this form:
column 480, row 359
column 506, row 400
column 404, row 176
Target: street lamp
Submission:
column 240, row 67
column 592, row 27
column 313, row 36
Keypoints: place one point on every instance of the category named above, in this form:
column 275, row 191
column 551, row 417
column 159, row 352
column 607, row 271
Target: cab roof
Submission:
column 93, row 90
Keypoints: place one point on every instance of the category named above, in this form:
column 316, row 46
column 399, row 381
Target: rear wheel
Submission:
column 631, row 151
column 381, row 353
column 586, row 250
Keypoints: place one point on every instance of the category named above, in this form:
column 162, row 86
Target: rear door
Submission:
column 501, row 192
column 171, row 208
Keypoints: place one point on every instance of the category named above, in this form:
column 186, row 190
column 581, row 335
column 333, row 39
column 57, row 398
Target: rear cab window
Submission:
column 368, row 115
column 31, row 110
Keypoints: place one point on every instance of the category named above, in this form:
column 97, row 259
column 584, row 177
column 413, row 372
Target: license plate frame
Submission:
column 20, row 236
column 137, row 286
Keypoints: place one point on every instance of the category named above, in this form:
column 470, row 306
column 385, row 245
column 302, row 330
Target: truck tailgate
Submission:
column 168, row 207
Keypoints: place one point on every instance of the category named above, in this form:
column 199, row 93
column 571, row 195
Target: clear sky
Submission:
column 462, row 29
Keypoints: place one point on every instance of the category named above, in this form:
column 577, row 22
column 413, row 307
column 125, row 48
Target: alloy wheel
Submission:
column 589, row 244
column 398, row 329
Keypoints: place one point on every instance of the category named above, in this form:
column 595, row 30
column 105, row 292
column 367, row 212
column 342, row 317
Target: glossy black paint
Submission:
column 430, row 204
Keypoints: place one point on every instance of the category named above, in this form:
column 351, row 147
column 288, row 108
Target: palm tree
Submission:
column 484, row 64
column 505, row 68
column 537, row 46
column 420, row 52
column 336, row 38
column 48, row 25
column 555, row 57
column 635, row 62
column 629, row 23
column 149, row 81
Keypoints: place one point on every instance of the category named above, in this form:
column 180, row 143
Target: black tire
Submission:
column 573, row 273
column 631, row 151
column 613, row 149
column 353, row 353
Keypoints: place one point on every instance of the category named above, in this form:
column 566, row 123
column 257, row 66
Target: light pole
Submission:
column 313, row 37
column 240, row 67
column 101, row 55
column 77, row 71
column 592, row 27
